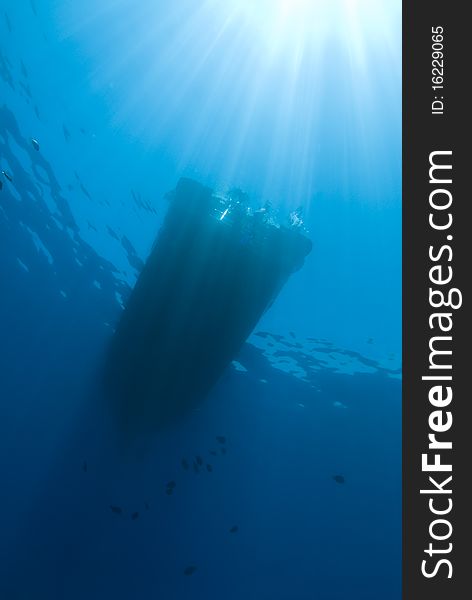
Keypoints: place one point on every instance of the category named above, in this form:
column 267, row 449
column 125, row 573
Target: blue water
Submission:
column 298, row 104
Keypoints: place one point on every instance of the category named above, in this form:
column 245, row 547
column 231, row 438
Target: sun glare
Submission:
column 265, row 80
column 281, row 23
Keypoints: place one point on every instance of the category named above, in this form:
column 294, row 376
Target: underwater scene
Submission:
column 200, row 299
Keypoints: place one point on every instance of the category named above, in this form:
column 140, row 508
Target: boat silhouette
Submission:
column 215, row 268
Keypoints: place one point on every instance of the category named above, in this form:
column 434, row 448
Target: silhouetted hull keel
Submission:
column 210, row 276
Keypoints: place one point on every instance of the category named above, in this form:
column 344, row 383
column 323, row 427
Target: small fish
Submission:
column 7, row 176
column 36, row 112
column 199, row 460
column 223, row 450
column 234, row 529
column 196, row 468
column 85, row 191
column 213, row 453
column 209, row 468
column 221, row 439
column 171, row 485
column 66, row 133
column 112, row 233
column 339, row 479
column 185, row 465
column 27, row 90
column 147, row 506
column 8, row 22
column 116, row 509
column 134, row 516
column 35, row 144
column 84, row 466
column 190, row 570
column 1, row 185
column 292, row 334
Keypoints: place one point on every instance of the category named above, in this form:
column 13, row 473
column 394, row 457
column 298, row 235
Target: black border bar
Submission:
column 448, row 129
